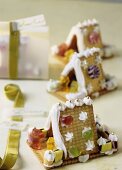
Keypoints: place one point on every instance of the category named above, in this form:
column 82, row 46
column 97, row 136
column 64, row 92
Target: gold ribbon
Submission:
column 12, row 92
column 13, row 50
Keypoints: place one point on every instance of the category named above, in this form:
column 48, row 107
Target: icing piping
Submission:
column 76, row 64
column 79, row 75
column 69, row 66
column 76, row 31
column 54, row 118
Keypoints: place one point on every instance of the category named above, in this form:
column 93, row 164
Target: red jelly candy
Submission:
column 93, row 38
column 62, row 49
column 36, row 139
column 66, row 120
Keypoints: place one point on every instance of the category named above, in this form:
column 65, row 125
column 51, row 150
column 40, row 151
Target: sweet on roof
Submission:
column 71, row 135
column 82, row 76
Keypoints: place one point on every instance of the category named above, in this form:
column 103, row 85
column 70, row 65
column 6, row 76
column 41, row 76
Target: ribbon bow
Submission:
column 14, row 93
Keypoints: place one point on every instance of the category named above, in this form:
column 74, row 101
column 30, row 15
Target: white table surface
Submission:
column 61, row 15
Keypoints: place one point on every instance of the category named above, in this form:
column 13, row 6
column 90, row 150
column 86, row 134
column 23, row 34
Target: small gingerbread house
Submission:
column 82, row 36
column 82, row 76
column 73, row 135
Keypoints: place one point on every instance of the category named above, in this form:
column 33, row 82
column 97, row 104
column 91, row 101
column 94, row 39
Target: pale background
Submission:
column 60, row 16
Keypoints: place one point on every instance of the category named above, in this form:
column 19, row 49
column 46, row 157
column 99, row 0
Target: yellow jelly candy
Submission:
column 50, row 143
column 58, row 155
column 106, row 147
column 68, row 54
column 74, row 87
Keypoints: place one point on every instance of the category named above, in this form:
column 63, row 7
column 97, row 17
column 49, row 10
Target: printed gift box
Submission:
column 24, row 48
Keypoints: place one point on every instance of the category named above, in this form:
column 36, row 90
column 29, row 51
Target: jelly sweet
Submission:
column 66, row 120
column 93, row 38
column 37, row 139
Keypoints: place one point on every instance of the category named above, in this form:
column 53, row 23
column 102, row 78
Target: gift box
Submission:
column 24, row 48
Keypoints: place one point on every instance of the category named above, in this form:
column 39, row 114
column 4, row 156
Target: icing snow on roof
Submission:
column 87, row 23
column 88, row 52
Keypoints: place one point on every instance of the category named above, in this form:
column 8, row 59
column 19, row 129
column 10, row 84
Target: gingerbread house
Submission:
column 72, row 135
column 82, row 76
column 82, row 36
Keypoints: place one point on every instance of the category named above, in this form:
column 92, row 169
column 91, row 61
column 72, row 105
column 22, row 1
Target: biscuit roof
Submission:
column 54, row 115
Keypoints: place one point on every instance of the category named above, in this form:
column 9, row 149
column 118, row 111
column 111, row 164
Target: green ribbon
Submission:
column 14, row 42
column 14, row 93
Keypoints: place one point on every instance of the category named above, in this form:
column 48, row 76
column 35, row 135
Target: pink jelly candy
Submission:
column 93, row 37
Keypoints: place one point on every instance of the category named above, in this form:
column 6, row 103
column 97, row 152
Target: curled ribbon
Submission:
column 14, row 93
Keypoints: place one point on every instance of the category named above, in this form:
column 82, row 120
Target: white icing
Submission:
column 69, row 67
column 86, row 129
column 111, row 83
column 109, row 152
column 69, row 136
column 53, row 119
column 61, row 106
column 101, row 141
column 89, row 145
column 83, row 158
column 79, row 76
column 87, row 100
column 89, row 88
column 88, row 52
column 96, row 94
column 98, row 59
column 70, row 104
column 109, row 51
column 78, row 102
column 84, row 64
column 76, row 31
column 49, row 155
column 52, row 85
column 73, row 96
column 103, row 84
column 89, row 22
column 112, row 137
column 54, row 49
column 83, row 116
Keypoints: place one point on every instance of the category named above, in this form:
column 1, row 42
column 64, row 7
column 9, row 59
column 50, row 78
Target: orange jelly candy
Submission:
column 37, row 139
